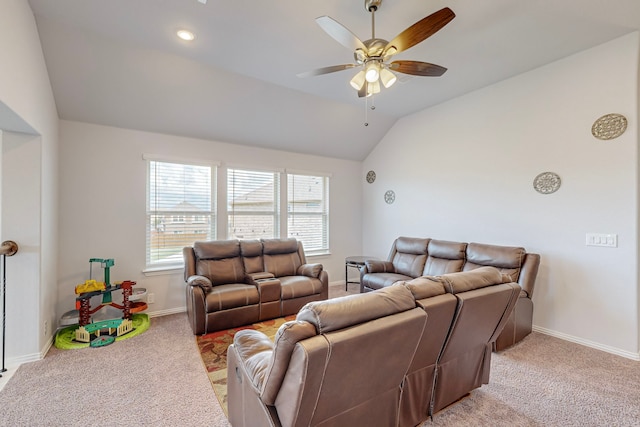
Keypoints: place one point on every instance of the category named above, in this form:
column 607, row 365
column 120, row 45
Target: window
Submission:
column 253, row 206
column 308, row 211
column 176, row 194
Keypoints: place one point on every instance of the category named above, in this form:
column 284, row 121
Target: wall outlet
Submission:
column 151, row 298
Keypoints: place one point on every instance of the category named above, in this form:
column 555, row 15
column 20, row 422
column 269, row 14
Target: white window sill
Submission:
column 163, row 271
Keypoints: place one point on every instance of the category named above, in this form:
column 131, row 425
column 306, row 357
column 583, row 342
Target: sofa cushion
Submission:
column 281, row 257
column 444, row 257
column 224, row 297
column 412, row 245
column 299, row 286
column 425, row 287
column 279, row 246
column 382, row 280
column 409, row 255
column 506, row 258
column 469, row 280
column 221, row 271
column 340, row 313
column 216, row 249
column 251, row 251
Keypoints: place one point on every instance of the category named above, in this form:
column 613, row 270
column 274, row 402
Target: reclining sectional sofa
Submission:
column 232, row 283
column 412, row 257
column 391, row 357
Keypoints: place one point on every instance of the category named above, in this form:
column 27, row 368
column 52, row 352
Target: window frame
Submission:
column 325, row 213
column 158, row 266
column 275, row 215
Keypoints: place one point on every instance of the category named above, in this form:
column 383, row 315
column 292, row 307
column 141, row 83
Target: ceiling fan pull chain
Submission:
column 366, row 111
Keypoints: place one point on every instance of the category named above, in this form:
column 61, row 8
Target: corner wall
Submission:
column 463, row 171
column 27, row 99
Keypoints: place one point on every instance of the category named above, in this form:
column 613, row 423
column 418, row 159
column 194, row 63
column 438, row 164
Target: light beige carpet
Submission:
column 158, row 379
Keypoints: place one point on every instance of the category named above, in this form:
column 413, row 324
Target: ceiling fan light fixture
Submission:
column 387, row 77
column 373, row 88
column 372, row 71
column 358, row 80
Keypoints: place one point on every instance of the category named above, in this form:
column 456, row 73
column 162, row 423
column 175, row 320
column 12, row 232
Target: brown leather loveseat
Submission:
column 412, row 257
column 232, row 283
column 388, row 358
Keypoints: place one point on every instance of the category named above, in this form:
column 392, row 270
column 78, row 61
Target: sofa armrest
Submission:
column 201, row 281
column 260, row 276
column 379, row 266
column 255, row 351
column 310, row 270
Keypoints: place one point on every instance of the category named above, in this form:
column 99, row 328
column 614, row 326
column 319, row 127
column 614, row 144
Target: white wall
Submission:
column 102, row 203
column 463, row 171
column 27, row 101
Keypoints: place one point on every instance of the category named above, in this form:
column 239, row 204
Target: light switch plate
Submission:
column 604, row 240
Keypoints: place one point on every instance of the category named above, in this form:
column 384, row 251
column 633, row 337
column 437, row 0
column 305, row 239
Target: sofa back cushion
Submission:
column 281, row 256
column 444, row 257
column 219, row 261
column 251, row 251
column 409, row 255
column 478, row 278
column 340, row 313
column 507, row 259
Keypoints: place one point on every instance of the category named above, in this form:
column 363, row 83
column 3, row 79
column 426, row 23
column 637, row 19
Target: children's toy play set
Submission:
column 86, row 331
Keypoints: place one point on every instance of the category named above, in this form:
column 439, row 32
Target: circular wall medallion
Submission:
column 371, row 176
column 546, row 182
column 609, row 126
column 390, row 197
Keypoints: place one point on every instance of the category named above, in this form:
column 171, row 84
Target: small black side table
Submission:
column 354, row 262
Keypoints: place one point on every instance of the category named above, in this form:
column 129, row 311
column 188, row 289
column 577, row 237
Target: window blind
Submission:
column 180, row 209
column 308, row 211
column 253, row 207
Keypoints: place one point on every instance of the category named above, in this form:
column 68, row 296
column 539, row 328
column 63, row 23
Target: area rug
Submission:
column 213, row 350
column 65, row 338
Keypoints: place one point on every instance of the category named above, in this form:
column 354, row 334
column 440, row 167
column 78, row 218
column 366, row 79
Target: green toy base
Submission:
column 65, row 338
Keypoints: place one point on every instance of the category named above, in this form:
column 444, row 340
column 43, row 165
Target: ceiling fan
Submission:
column 373, row 54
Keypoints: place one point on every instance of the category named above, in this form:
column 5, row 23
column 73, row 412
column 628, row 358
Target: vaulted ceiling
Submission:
column 119, row 62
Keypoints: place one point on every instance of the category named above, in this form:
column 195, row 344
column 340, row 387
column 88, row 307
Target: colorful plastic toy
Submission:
column 93, row 288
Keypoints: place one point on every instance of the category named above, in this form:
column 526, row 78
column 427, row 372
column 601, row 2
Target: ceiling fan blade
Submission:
column 326, row 70
column 417, row 68
column 419, row 31
column 340, row 33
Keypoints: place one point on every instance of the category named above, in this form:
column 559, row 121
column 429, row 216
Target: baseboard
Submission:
column 587, row 343
column 167, row 312
column 15, row 362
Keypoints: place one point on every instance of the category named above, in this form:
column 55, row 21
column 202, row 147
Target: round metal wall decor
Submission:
column 371, row 176
column 547, row 182
column 389, row 197
column 609, row 126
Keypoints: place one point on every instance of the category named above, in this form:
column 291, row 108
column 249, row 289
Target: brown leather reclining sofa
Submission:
column 232, row 283
column 391, row 357
column 412, row 257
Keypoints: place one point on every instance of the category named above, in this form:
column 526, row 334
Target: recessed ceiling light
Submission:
column 186, row 35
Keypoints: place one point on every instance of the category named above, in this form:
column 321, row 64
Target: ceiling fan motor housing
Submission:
column 370, row 5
